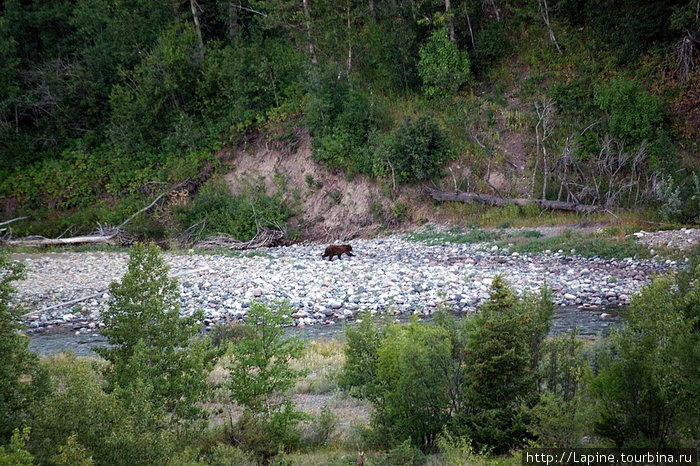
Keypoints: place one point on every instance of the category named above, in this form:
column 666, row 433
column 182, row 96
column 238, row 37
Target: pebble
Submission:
column 389, row 274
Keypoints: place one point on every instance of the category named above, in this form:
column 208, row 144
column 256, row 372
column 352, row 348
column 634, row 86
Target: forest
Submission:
column 106, row 104
column 123, row 119
column 479, row 389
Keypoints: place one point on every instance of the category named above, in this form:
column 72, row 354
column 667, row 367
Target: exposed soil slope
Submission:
column 327, row 205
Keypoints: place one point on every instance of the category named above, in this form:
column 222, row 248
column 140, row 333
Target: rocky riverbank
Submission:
column 389, row 274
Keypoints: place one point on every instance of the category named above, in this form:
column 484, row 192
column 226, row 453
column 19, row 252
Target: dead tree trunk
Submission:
column 471, row 32
column 40, row 241
column 543, row 129
column 196, row 10
column 491, row 5
column 312, row 48
column 488, row 199
column 450, row 21
column 544, row 11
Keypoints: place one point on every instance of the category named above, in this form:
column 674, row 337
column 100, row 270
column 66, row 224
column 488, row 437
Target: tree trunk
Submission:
column 544, row 11
column 488, row 199
column 41, row 241
column 348, row 67
column 312, row 48
column 373, row 10
column 195, row 15
column 450, row 21
column 232, row 22
column 471, row 32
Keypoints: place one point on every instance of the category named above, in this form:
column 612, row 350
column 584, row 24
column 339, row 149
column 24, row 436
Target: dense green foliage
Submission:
column 154, row 350
column 240, row 216
column 474, row 378
column 260, row 375
column 489, row 382
column 443, row 68
column 647, row 385
column 493, row 381
column 98, row 98
column 18, row 367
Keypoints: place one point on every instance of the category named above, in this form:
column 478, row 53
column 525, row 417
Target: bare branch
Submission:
column 7, row 222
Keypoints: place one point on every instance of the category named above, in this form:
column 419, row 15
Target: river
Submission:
column 589, row 323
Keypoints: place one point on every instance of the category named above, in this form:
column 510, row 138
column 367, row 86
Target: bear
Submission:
column 337, row 250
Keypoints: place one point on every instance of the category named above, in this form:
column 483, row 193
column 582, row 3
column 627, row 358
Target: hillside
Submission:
column 330, row 121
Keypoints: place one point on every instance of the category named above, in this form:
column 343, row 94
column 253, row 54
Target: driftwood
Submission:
column 7, row 222
column 488, row 199
column 265, row 237
column 40, row 241
column 103, row 234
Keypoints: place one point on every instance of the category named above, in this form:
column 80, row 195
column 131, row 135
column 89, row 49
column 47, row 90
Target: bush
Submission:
column 17, row 364
column 112, row 428
column 260, row 376
column 150, row 343
column 323, row 428
column 443, row 68
column 227, row 332
column 647, row 386
column 502, row 351
column 405, row 454
column 72, row 453
column 361, row 357
column 635, row 116
column 467, row 379
column 240, row 216
column 342, row 122
column 415, row 152
column 564, row 412
column 16, row 454
column 414, row 371
column 490, row 44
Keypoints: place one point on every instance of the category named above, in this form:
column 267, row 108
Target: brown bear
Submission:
column 337, row 250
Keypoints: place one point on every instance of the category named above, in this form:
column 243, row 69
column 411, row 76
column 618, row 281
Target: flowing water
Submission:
column 590, row 323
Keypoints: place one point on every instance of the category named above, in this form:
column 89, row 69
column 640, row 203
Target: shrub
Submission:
column 16, row 454
column 471, row 378
column 342, row 121
column 405, row 454
column 240, row 216
column 414, row 371
column 17, row 363
column 647, row 385
column 151, row 343
column 490, row 44
column 112, row 428
column 502, row 352
column 72, row 453
column 227, row 332
column 416, row 151
column 634, row 115
column 323, row 428
column 443, row 68
column 563, row 414
column 361, row 357
column 260, row 376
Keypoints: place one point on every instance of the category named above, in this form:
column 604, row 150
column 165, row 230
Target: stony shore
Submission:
column 389, row 274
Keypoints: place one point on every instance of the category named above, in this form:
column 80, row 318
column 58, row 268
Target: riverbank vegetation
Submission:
column 105, row 106
column 475, row 390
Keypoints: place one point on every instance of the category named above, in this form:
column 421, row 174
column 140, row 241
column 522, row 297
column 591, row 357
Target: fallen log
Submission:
column 40, row 241
column 103, row 235
column 266, row 237
column 488, row 199
column 7, row 222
